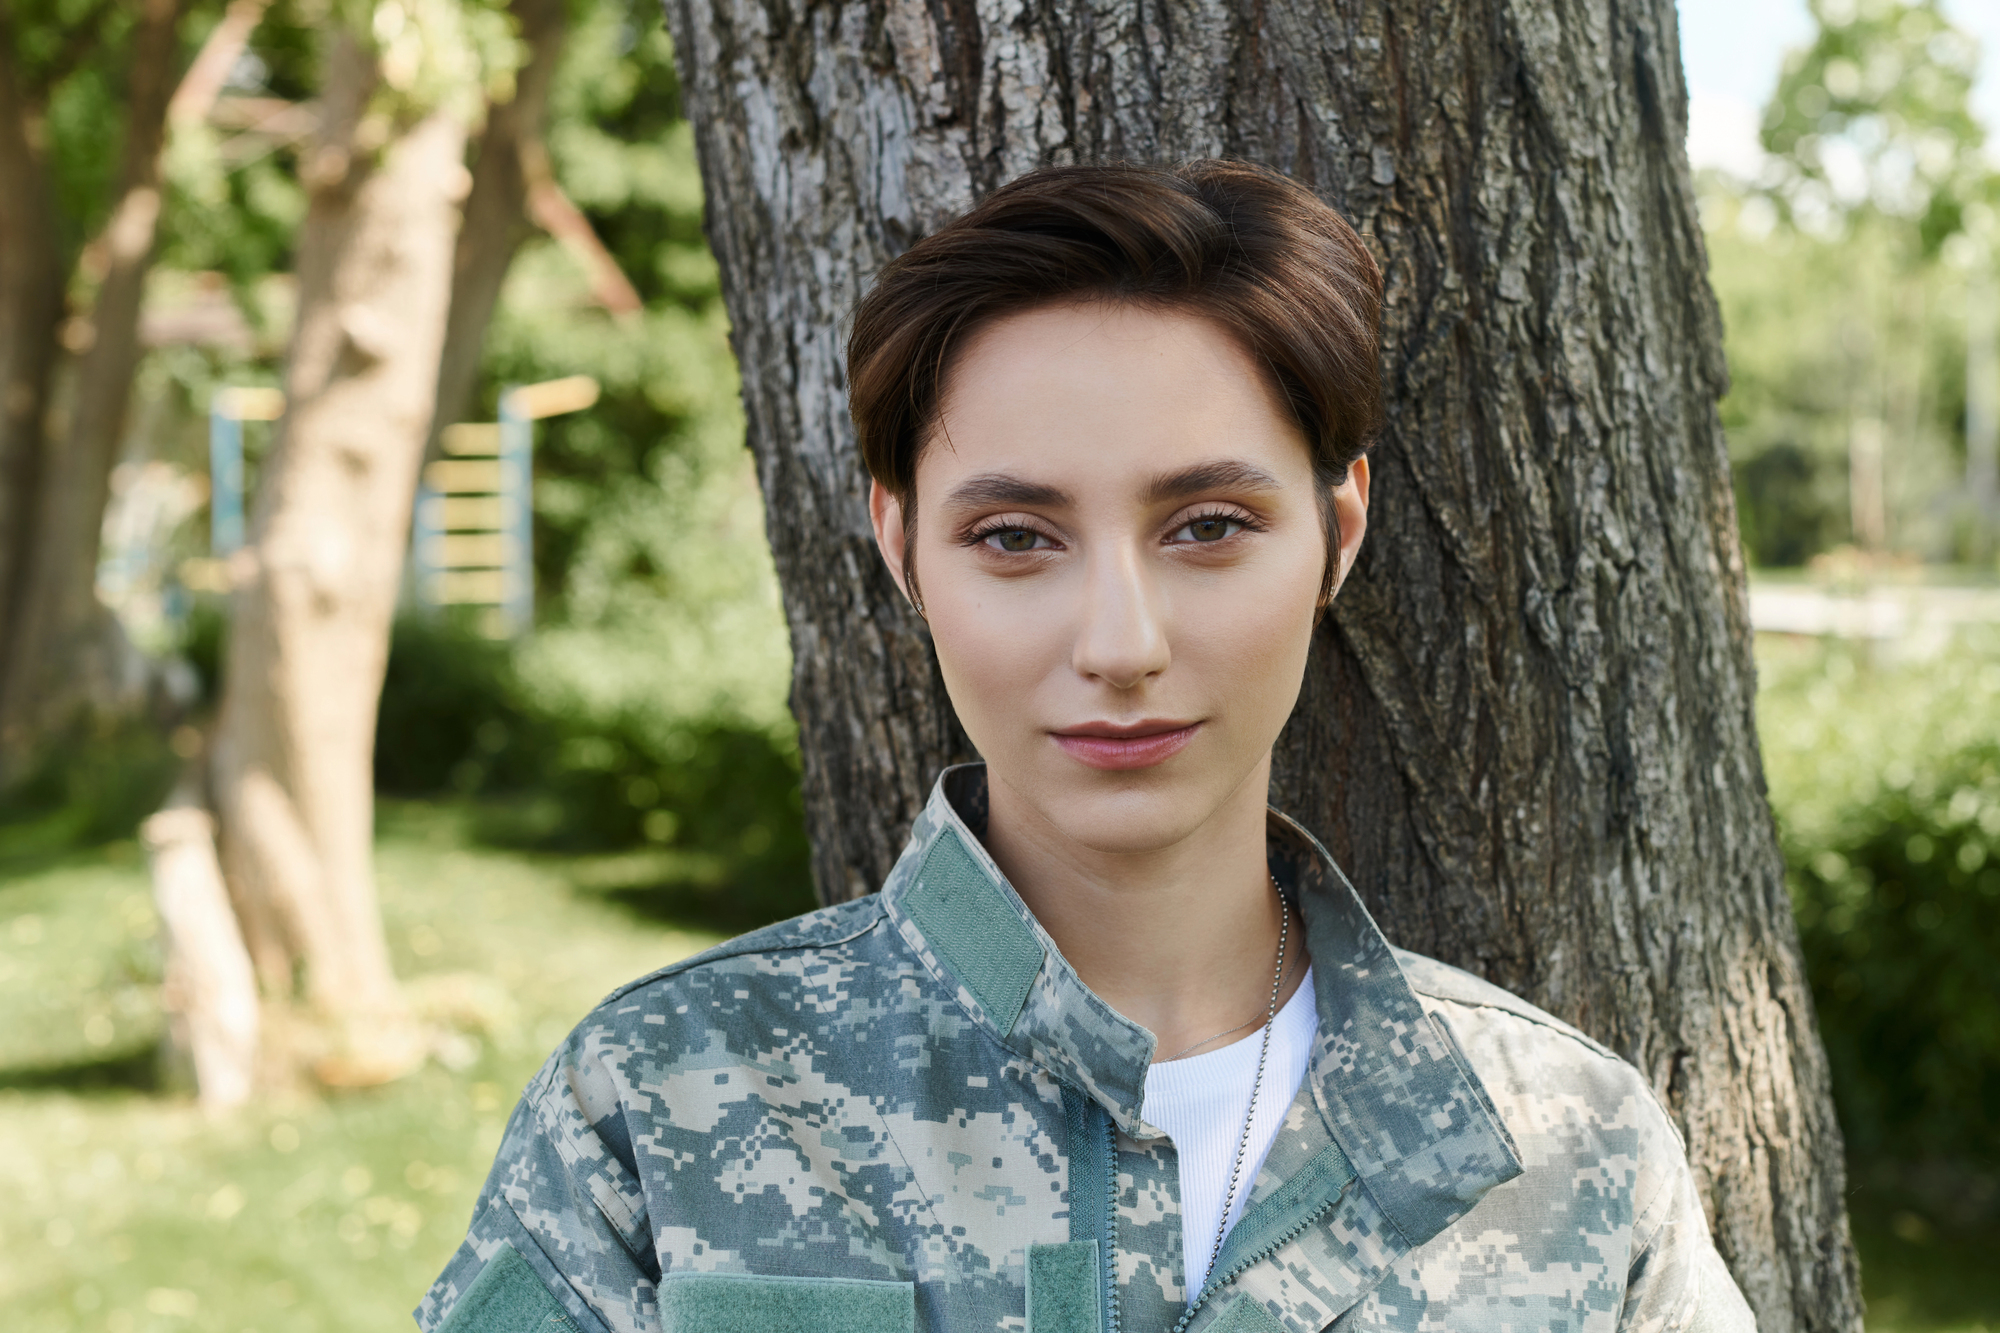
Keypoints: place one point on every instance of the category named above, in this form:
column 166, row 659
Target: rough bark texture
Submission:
column 310, row 631
column 66, row 652
column 1527, row 728
column 496, row 209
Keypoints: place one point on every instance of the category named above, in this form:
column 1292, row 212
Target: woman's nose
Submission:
column 1123, row 638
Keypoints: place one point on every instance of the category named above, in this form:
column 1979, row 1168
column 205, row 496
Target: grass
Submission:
column 122, row 1208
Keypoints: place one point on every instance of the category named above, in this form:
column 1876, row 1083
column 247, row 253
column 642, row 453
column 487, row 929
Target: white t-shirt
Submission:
column 1201, row 1101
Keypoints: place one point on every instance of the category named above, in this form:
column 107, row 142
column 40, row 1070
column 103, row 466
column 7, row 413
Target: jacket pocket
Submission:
column 746, row 1303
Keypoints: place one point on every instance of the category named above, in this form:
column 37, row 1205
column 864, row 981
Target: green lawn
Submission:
column 123, row 1209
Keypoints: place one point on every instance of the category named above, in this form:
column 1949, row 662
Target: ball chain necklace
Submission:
column 1257, row 1086
column 1248, row 1022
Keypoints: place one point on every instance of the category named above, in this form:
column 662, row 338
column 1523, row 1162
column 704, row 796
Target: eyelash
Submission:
column 993, row 528
column 1228, row 514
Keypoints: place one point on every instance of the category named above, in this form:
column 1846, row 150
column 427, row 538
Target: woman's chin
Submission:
column 1124, row 812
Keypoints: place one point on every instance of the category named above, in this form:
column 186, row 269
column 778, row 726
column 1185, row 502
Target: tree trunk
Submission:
column 496, row 209
column 31, row 311
column 310, row 631
column 210, row 991
column 67, row 653
column 1527, row 727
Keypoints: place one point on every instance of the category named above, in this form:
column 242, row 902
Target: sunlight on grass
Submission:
column 123, row 1209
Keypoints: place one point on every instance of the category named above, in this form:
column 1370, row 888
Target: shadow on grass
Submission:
column 728, row 892
column 688, row 902
column 691, row 890
column 135, row 1070
column 690, row 906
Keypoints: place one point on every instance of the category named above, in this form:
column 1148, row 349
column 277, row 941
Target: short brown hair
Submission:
column 1231, row 241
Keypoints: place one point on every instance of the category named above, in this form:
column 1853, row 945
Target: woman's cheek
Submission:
column 1250, row 640
column 989, row 666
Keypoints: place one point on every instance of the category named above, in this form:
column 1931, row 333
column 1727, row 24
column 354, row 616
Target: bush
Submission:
column 1885, row 780
column 722, row 794
column 1900, row 919
column 449, row 718
column 92, row 784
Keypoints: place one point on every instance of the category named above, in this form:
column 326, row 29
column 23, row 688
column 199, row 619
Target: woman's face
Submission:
column 1119, row 550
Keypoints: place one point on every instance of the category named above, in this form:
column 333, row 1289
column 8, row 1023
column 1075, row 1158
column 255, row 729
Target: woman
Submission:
column 1116, row 1047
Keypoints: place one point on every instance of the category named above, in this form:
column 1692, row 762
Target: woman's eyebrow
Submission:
column 1226, row 474
column 999, row 489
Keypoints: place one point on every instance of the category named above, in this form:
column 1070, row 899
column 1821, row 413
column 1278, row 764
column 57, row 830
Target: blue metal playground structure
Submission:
column 472, row 539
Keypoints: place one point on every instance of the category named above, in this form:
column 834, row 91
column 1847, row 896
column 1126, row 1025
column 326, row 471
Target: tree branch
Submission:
column 555, row 214
column 203, row 82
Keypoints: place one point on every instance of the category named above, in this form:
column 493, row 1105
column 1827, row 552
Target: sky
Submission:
column 1733, row 50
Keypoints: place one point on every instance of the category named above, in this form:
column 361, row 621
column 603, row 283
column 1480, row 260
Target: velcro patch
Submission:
column 968, row 922
column 747, row 1303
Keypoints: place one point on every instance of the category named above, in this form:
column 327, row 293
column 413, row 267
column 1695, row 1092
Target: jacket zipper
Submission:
column 1215, row 1283
column 1110, row 1226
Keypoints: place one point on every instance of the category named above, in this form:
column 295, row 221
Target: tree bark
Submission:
column 496, row 209
column 1527, row 726
column 310, row 630
column 67, row 653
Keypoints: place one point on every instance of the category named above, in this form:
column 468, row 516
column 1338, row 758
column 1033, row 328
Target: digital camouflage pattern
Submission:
column 915, row 1088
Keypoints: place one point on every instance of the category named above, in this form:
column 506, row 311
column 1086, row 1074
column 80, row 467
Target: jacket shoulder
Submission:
column 829, row 927
column 1440, row 981
column 1527, row 1058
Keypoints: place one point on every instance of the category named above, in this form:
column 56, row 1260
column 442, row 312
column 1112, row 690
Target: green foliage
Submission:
column 94, row 784
column 204, row 642
column 1901, row 921
column 1822, row 332
column 1886, row 782
column 72, row 62
column 1843, row 271
column 1875, row 115
column 715, row 801
column 448, row 55
column 449, row 718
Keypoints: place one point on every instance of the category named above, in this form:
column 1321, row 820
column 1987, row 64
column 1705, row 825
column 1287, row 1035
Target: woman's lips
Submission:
column 1139, row 746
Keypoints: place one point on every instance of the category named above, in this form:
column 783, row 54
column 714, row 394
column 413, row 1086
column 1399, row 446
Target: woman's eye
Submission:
column 1014, row 539
column 1212, row 529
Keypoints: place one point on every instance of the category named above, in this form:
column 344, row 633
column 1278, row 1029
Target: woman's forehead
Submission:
column 1080, row 396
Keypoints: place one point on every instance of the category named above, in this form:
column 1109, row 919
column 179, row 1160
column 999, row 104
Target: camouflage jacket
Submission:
column 907, row 1112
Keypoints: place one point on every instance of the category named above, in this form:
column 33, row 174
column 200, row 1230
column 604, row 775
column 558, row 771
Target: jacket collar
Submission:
column 1388, row 1086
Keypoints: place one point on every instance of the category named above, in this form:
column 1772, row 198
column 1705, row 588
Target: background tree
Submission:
column 658, row 665
column 1851, row 266
column 495, row 217
column 70, row 100
column 317, row 587
column 1527, row 727
column 1874, row 117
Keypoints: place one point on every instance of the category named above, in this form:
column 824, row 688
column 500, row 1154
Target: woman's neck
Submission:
column 1180, row 939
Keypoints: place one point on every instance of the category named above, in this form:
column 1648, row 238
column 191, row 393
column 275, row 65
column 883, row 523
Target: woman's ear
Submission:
column 885, row 512
column 1350, row 505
